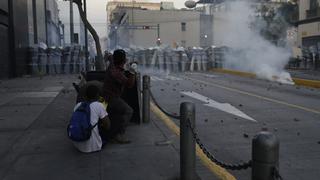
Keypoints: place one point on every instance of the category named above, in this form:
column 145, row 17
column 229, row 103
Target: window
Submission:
column 313, row 4
column 183, row 43
column 183, row 26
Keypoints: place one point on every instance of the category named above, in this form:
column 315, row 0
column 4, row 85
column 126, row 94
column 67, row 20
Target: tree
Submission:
column 100, row 65
column 272, row 22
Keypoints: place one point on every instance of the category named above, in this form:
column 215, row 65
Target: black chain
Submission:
column 245, row 165
column 276, row 174
column 163, row 110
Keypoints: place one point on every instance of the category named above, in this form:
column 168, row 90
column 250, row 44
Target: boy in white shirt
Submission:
column 98, row 114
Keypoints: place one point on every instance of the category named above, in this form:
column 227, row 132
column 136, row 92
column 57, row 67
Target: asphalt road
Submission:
column 292, row 113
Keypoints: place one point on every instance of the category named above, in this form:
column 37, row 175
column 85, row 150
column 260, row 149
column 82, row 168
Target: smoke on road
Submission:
column 250, row 51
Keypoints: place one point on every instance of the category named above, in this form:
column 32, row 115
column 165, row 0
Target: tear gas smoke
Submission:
column 249, row 50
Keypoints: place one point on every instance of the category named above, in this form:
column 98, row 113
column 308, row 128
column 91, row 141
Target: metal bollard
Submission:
column 146, row 99
column 265, row 156
column 187, row 143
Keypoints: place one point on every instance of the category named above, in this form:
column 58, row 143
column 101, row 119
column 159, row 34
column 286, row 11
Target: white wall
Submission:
column 170, row 27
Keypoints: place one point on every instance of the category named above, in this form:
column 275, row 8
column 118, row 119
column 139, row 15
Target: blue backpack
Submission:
column 79, row 128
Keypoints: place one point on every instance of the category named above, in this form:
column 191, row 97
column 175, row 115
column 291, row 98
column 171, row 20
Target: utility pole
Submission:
column 86, row 36
column 71, row 23
column 158, row 31
column 35, row 24
column 12, row 44
column 46, row 19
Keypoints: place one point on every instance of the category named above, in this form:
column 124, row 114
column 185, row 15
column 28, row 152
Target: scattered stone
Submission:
column 163, row 143
column 182, row 96
column 264, row 129
column 206, row 120
column 318, row 142
column 245, row 135
column 240, row 105
column 296, row 120
column 221, row 121
column 15, row 110
column 174, row 89
column 61, row 82
column 161, row 89
column 236, row 118
column 298, row 133
column 275, row 129
column 297, row 87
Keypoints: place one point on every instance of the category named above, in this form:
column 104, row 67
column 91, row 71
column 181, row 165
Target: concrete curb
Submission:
column 219, row 172
column 297, row 81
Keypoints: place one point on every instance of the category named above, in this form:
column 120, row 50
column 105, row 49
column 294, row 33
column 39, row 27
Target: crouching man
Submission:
column 115, row 82
column 99, row 121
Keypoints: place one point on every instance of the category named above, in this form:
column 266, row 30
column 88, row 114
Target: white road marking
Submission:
column 221, row 106
column 203, row 74
column 154, row 78
column 173, row 78
column 38, row 94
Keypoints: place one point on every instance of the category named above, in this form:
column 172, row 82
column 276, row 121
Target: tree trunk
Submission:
column 100, row 65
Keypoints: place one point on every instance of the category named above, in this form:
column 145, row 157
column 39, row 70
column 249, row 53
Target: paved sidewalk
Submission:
column 34, row 113
column 305, row 74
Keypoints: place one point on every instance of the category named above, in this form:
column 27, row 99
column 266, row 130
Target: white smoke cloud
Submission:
column 250, row 51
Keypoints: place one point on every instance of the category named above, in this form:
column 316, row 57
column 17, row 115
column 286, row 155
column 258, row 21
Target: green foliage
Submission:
column 272, row 22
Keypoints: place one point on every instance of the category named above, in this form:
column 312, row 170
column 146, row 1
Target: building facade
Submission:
column 147, row 28
column 309, row 25
column 142, row 4
column 24, row 24
column 79, row 28
column 4, row 45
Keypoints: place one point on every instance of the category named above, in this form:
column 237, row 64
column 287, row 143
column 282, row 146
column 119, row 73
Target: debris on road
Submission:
column 296, row 120
column 163, row 143
column 206, row 120
column 245, row 135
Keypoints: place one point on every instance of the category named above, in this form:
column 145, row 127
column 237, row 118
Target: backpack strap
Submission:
column 90, row 102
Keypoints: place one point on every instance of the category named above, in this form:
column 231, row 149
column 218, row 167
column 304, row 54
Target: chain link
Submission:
column 163, row 110
column 245, row 165
column 276, row 174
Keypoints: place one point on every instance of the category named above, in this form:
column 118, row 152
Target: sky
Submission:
column 96, row 10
